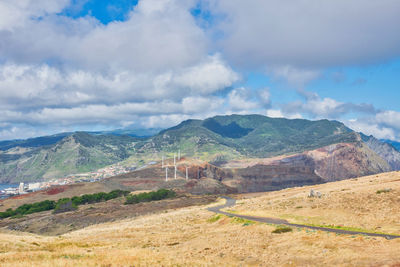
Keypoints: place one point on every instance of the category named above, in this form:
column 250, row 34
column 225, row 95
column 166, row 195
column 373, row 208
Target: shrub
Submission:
column 150, row 196
column 282, row 229
column 64, row 205
column 29, row 208
column 386, row 190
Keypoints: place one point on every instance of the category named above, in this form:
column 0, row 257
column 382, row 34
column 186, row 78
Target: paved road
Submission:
column 231, row 202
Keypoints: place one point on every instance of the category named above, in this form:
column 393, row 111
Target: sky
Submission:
column 69, row 65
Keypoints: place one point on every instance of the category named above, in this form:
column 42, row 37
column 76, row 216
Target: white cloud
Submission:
column 276, row 113
column 308, row 33
column 207, row 77
column 389, row 118
column 264, row 97
column 295, row 76
column 370, row 128
column 240, row 99
column 14, row 14
column 318, row 107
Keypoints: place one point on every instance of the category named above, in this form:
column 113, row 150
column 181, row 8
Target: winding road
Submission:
column 232, row 202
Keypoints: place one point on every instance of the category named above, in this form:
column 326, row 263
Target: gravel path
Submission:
column 231, row 202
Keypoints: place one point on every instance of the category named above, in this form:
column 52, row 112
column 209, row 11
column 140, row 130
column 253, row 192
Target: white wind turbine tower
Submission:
column 175, row 171
column 162, row 162
column 166, row 174
column 179, row 154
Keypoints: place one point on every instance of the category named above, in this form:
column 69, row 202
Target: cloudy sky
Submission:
column 69, row 65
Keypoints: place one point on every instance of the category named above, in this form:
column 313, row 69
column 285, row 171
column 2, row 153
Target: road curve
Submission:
column 231, row 202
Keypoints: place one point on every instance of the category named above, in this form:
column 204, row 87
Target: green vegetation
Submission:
column 98, row 197
column 248, row 135
column 386, row 190
column 282, row 229
column 150, row 196
column 71, row 154
column 214, row 218
column 245, row 222
column 217, row 139
column 62, row 205
column 29, row 208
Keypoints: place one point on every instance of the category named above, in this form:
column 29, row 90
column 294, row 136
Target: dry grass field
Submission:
column 194, row 236
column 369, row 203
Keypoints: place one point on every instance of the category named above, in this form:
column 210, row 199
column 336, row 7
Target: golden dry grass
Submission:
column 350, row 203
column 187, row 237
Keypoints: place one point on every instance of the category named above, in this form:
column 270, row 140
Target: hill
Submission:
column 249, row 136
column 58, row 156
column 194, row 236
column 395, row 144
column 218, row 140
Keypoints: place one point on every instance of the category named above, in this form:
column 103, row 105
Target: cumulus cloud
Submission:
column 389, row 118
column 308, row 33
column 158, row 35
column 369, row 127
column 277, row 113
column 240, row 99
column 318, row 107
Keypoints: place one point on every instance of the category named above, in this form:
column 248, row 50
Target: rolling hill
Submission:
column 74, row 153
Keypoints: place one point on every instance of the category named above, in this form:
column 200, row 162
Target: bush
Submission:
column 29, row 208
column 282, row 229
column 386, row 190
column 150, row 196
column 64, row 205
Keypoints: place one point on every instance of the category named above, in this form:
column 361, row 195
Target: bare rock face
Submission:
column 384, row 150
column 343, row 161
column 330, row 163
column 297, row 171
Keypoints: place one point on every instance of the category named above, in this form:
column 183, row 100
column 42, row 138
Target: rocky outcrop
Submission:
column 384, row 150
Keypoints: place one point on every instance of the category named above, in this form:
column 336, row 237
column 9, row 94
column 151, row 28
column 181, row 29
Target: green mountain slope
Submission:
column 79, row 152
column 217, row 139
column 248, row 136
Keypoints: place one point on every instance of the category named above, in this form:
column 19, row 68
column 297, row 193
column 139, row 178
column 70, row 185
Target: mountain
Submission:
column 302, row 151
column 140, row 133
column 395, row 144
column 249, row 136
column 385, row 150
column 74, row 153
column 33, row 142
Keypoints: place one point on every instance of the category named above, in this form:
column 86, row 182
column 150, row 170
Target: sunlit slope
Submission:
column 79, row 152
column 196, row 237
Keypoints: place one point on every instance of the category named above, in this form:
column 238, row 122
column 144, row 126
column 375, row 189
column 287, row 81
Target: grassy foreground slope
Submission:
column 196, row 237
column 369, row 203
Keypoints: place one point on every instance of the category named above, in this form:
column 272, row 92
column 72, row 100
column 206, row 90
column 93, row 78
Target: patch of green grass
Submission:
column 214, row 218
column 242, row 221
column 386, row 190
column 282, row 229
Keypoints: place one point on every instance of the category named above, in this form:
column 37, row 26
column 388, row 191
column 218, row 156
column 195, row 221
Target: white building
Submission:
column 21, row 188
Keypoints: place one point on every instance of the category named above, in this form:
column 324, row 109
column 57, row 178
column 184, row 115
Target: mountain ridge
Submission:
column 216, row 139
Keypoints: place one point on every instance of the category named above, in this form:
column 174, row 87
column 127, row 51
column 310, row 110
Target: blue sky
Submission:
column 71, row 65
